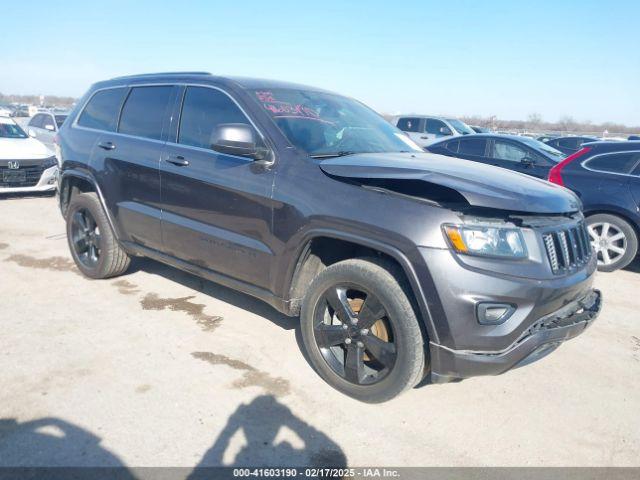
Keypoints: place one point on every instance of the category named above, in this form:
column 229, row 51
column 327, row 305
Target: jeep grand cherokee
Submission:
column 400, row 263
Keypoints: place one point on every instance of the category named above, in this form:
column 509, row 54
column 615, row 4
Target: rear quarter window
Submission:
column 409, row 124
column 101, row 112
column 473, row 146
column 623, row 162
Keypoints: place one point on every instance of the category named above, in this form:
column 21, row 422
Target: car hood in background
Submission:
column 481, row 185
column 23, row 149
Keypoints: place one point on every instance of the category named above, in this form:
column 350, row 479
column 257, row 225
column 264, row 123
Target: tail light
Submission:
column 555, row 174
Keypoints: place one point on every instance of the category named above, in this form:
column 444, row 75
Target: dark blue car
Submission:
column 570, row 145
column 606, row 177
column 521, row 154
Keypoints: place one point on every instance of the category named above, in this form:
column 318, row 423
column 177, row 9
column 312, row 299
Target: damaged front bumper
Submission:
column 544, row 336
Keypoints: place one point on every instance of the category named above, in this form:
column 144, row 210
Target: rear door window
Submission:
column 473, row 146
column 36, row 121
column 614, row 163
column 409, row 124
column 144, row 111
column 508, row 151
column 102, row 110
column 203, row 109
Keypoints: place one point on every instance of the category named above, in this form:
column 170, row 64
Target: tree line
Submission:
column 35, row 100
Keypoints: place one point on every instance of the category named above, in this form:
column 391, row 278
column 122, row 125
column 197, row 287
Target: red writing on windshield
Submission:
column 281, row 109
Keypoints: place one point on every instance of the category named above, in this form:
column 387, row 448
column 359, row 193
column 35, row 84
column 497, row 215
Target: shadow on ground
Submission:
column 261, row 433
column 266, row 432
column 52, row 442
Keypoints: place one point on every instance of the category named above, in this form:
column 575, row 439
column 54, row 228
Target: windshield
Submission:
column 460, row 127
column 550, row 152
column 60, row 119
column 11, row 130
column 325, row 125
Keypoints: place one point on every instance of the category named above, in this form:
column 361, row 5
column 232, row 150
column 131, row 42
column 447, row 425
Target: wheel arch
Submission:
column 308, row 263
column 80, row 181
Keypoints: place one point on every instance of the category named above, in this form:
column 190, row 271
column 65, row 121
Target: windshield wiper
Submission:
column 342, row 153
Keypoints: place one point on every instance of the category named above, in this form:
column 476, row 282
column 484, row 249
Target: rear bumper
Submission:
column 544, row 336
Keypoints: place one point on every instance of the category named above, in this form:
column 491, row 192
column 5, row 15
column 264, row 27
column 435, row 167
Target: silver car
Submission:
column 44, row 126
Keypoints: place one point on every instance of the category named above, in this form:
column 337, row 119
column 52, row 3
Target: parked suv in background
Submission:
column 426, row 130
column 606, row 177
column 400, row 263
column 45, row 125
column 26, row 165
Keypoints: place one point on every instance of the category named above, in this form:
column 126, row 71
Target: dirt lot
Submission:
column 161, row 368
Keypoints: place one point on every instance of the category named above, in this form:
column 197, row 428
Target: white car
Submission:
column 424, row 130
column 26, row 165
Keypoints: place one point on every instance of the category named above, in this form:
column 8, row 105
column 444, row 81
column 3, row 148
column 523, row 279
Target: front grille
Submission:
column 32, row 176
column 567, row 249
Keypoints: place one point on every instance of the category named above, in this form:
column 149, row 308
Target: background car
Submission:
column 26, row 165
column 478, row 129
column 521, row 154
column 5, row 111
column 606, row 177
column 634, row 137
column 546, row 138
column 570, row 145
column 45, row 125
column 425, row 130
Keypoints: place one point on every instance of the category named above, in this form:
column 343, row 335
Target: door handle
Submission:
column 107, row 145
column 178, row 161
column 424, row 138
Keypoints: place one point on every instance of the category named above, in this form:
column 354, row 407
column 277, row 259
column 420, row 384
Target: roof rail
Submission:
column 160, row 73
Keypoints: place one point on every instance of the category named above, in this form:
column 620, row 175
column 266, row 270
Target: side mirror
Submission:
column 445, row 131
column 49, row 127
column 236, row 139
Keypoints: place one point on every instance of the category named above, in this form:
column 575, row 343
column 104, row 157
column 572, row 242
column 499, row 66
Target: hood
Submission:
column 481, row 185
column 23, row 149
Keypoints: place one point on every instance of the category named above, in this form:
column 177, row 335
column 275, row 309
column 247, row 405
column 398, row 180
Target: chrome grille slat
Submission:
column 568, row 248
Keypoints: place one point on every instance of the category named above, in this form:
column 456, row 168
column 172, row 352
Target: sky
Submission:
column 504, row 58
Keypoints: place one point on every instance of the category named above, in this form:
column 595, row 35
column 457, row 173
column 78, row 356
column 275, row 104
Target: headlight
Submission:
column 487, row 241
column 50, row 162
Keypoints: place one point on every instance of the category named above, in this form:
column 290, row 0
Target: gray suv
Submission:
column 401, row 264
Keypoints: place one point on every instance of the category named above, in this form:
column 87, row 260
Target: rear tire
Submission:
column 94, row 247
column 615, row 241
column 388, row 344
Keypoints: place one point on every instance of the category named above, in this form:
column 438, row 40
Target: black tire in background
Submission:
column 111, row 260
column 618, row 245
column 384, row 284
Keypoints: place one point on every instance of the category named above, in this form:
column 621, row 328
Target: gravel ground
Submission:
column 160, row 368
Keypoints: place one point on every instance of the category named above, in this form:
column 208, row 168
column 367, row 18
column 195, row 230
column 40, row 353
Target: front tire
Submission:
column 93, row 245
column 361, row 332
column 614, row 240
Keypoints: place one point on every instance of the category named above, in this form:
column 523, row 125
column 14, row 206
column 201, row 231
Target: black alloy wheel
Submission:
column 354, row 335
column 85, row 238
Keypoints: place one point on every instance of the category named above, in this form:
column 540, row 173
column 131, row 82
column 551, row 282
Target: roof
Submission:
column 246, row 83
